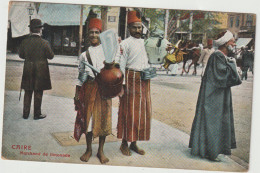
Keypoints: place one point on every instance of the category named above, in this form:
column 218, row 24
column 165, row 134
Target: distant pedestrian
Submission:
column 173, row 69
column 213, row 130
column 247, row 62
column 36, row 75
column 205, row 54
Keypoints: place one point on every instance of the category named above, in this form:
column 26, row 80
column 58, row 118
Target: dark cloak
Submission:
column 213, row 130
column 36, row 74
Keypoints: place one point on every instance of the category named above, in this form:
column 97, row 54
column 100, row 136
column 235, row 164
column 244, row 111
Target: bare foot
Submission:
column 136, row 149
column 85, row 157
column 125, row 150
column 102, row 158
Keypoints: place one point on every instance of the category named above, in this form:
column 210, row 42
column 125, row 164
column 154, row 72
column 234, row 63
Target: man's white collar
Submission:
column 39, row 34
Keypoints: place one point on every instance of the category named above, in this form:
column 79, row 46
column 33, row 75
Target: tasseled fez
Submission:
column 133, row 16
column 95, row 23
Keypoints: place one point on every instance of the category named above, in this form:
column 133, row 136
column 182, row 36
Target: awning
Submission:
column 61, row 14
column 242, row 42
column 50, row 13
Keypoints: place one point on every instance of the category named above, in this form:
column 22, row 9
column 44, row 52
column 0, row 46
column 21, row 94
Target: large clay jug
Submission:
column 110, row 80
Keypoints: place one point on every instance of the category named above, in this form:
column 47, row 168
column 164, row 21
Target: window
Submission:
column 237, row 21
column 111, row 18
column 243, row 19
column 249, row 20
column 231, row 21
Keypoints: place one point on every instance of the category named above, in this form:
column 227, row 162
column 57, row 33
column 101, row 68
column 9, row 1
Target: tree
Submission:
column 156, row 17
column 204, row 25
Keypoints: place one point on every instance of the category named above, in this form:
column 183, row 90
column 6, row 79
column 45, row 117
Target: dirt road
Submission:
column 173, row 98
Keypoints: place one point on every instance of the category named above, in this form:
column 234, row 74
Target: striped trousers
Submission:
column 134, row 116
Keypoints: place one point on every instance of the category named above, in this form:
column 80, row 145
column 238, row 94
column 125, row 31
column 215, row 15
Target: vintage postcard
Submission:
column 130, row 86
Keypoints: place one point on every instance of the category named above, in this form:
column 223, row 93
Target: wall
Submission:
column 113, row 18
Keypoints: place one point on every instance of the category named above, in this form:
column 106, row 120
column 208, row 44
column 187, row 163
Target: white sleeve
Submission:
column 118, row 54
column 82, row 71
column 203, row 52
column 123, row 58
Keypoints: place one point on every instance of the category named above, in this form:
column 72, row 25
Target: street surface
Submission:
column 173, row 99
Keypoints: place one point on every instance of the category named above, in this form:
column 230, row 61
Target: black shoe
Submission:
column 38, row 117
column 25, row 116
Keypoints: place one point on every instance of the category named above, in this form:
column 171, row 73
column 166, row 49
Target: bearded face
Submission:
column 230, row 45
column 135, row 29
column 94, row 36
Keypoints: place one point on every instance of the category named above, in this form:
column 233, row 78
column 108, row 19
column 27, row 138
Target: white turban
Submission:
column 222, row 40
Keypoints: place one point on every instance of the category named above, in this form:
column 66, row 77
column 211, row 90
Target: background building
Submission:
column 243, row 26
column 61, row 24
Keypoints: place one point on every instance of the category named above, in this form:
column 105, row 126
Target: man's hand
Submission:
column 230, row 59
column 76, row 103
column 76, row 98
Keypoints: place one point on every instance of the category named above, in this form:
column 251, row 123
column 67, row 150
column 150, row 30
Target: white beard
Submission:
column 231, row 49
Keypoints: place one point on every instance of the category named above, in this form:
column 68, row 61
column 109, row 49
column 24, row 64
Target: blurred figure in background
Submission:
column 205, row 54
column 247, row 62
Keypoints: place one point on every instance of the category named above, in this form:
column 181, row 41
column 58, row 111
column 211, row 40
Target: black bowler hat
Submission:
column 35, row 23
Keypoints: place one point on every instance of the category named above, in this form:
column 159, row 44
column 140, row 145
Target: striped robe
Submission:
column 92, row 105
column 134, row 116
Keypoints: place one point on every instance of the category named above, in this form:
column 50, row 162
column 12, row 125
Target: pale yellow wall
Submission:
column 113, row 11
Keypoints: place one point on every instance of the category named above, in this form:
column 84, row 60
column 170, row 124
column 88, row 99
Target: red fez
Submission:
column 133, row 16
column 210, row 42
column 95, row 23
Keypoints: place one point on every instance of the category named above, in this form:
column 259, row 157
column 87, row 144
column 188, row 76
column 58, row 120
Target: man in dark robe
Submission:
column 213, row 130
column 247, row 62
column 36, row 75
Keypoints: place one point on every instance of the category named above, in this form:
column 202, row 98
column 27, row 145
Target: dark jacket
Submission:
column 247, row 59
column 35, row 51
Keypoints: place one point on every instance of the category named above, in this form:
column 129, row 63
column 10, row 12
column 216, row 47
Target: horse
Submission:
column 192, row 51
column 183, row 51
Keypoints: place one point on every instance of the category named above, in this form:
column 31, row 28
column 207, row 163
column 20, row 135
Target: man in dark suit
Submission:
column 36, row 75
column 247, row 62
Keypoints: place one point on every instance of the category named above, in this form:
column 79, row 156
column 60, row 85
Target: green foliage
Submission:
column 208, row 24
column 156, row 17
